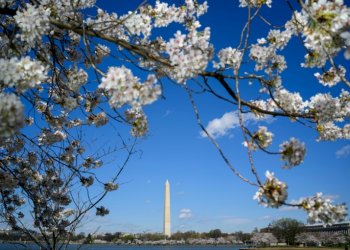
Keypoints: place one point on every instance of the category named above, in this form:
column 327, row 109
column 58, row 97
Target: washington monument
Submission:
column 167, row 232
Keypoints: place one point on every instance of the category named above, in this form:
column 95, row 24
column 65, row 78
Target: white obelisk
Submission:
column 167, row 232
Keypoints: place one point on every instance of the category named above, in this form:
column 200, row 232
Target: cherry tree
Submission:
column 264, row 239
column 53, row 86
column 309, row 239
column 324, row 238
column 332, row 238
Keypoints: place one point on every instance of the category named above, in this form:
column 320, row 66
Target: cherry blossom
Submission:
column 254, row 3
column 292, row 152
column 11, row 115
column 331, row 77
column 288, row 102
column 272, row 193
column 22, row 73
column 321, row 209
column 189, row 54
column 102, row 211
column 125, row 88
column 33, row 22
column 111, row 186
column 229, row 56
column 261, row 138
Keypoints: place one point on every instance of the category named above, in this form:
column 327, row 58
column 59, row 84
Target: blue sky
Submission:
column 204, row 192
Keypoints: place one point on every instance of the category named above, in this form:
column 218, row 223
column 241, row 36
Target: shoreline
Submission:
column 239, row 246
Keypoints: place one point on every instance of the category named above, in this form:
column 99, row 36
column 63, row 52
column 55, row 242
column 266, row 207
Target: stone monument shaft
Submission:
column 167, row 231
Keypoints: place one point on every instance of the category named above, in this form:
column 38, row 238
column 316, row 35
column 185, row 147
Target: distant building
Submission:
column 267, row 229
column 343, row 227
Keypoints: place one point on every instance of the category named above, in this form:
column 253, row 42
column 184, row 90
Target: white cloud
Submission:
column 343, row 152
column 221, row 126
column 332, row 197
column 185, row 214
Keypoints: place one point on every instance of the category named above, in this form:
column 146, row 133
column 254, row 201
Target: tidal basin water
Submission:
column 117, row 247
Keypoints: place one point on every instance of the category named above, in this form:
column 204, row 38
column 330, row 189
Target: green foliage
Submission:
column 244, row 237
column 151, row 237
column 89, row 239
column 187, row 235
column 128, row 237
column 215, row 233
column 286, row 229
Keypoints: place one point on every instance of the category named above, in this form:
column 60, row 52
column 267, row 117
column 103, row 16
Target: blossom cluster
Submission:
column 103, row 21
column 321, row 209
column 331, row 77
column 98, row 120
column 66, row 9
column 278, row 38
column 288, row 102
column 266, row 59
column 254, row 3
column 76, row 78
column 22, row 73
column 101, row 211
column 163, row 14
column 53, row 218
column 110, row 186
column 47, row 192
column 87, row 181
column 11, row 115
column 137, row 24
column 346, row 36
column 325, row 107
column 90, row 162
column 70, row 153
column 189, row 54
column 12, row 146
column 7, row 181
column 229, row 56
column 327, row 20
column 145, row 19
column 48, row 137
column 4, row 3
column 273, row 193
column 101, row 51
column 68, row 212
column 137, row 118
column 124, row 88
column 329, row 131
column 33, row 22
column 261, row 138
column 292, row 152
column 329, row 112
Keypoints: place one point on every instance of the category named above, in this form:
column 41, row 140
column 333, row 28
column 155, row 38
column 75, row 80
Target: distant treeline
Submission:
column 286, row 230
